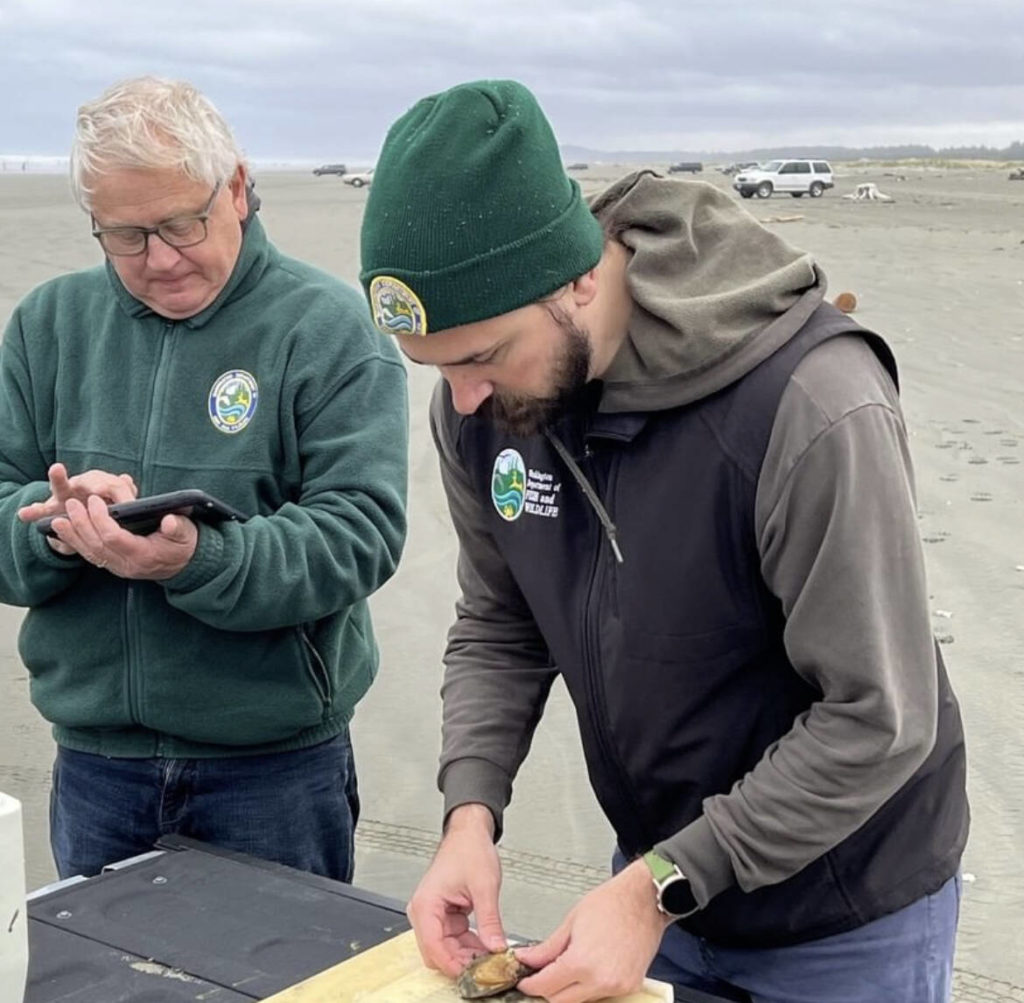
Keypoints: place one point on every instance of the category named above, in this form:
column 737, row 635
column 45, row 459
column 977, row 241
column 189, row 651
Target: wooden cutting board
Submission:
column 393, row 972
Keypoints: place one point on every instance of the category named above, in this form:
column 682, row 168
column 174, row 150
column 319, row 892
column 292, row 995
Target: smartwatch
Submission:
column 675, row 896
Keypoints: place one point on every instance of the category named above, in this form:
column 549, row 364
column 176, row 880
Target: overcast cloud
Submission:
column 324, row 78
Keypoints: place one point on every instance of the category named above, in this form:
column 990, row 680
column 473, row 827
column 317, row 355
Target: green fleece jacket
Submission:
column 281, row 399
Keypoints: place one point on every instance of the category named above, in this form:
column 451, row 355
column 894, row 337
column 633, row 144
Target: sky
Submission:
column 323, row 79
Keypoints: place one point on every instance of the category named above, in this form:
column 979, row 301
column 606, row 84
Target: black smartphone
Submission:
column 143, row 515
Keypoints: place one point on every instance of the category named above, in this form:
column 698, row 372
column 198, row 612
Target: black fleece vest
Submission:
column 674, row 658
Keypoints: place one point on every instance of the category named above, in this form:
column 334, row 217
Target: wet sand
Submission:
column 940, row 273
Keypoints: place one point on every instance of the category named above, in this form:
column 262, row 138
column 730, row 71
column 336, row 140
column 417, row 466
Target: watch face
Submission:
column 677, row 897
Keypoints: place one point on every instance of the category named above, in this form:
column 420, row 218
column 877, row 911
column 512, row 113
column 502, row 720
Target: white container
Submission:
column 13, row 919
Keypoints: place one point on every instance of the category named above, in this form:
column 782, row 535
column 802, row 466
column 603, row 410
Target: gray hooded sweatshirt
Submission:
column 714, row 294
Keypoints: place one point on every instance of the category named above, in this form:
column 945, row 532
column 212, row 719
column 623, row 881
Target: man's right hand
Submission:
column 111, row 488
column 464, row 878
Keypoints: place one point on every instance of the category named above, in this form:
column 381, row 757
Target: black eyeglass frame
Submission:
column 99, row 232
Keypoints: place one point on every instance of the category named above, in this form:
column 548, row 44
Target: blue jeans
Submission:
column 297, row 808
column 905, row 957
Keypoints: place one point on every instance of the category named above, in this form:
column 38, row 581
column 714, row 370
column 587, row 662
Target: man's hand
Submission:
column 464, row 878
column 110, row 487
column 604, row 946
column 90, row 531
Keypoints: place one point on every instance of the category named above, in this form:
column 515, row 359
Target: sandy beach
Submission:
column 940, row 273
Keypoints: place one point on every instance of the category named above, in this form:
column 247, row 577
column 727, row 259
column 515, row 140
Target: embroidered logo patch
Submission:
column 233, row 399
column 396, row 308
column 508, row 484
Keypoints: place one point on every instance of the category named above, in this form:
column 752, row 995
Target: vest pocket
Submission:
column 723, row 646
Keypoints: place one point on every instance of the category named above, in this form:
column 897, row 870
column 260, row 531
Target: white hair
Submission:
column 151, row 123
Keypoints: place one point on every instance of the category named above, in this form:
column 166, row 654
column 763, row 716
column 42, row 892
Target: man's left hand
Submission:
column 90, row 531
column 604, row 946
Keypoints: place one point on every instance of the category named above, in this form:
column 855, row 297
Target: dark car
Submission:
column 686, row 167
column 329, row 169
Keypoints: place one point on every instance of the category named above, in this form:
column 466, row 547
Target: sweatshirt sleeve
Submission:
column 340, row 540
column 31, row 572
column 498, row 672
column 839, row 544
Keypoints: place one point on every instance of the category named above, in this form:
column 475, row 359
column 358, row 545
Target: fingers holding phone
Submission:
column 145, row 538
column 91, row 531
column 112, row 488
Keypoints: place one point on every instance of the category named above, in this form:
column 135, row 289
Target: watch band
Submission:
column 660, row 868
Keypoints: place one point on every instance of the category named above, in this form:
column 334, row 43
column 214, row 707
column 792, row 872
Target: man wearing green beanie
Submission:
column 680, row 480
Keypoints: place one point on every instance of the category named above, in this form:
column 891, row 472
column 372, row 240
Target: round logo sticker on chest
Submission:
column 233, row 400
column 508, row 484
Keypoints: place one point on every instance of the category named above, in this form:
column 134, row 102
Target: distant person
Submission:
column 200, row 679
column 681, row 481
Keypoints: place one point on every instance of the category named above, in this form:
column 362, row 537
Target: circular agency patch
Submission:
column 508, row 484
column 233, row 399
column 396, row 308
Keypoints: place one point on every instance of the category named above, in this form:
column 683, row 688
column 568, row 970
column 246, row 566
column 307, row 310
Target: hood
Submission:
column 714, row 292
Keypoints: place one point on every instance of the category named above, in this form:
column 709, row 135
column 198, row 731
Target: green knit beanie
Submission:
column 471, row 213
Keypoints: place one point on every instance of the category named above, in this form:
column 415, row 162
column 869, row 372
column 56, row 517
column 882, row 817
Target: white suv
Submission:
column 798, row 177
column 358, row 178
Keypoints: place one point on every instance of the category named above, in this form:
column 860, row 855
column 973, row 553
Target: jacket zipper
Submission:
column 596, row 699
column 585, row 486
column 133, row 630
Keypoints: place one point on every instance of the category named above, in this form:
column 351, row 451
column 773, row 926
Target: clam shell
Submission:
column 491, row 974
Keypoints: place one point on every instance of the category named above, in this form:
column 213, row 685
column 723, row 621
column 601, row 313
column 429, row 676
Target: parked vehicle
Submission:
column 329, row 169
column 797, row 177
column 358, row 178
column 743, row 165
column 578, row 167
column 686, row 167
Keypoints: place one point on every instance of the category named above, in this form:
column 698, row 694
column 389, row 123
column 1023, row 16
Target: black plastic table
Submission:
column 193, row 922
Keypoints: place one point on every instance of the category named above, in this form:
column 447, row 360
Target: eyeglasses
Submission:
column 182, row 231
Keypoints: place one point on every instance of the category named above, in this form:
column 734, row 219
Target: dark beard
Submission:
column 524, row 415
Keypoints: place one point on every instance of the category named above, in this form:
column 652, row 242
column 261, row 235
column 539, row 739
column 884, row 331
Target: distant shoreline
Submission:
column 14, row 164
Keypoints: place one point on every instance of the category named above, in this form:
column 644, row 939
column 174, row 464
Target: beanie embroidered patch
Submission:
column 396, row 308
column 471, row 213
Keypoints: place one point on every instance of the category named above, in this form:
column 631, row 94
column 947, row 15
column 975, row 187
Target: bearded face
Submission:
column 527, row 414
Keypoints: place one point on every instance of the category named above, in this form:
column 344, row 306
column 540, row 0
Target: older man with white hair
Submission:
column 200, row 679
